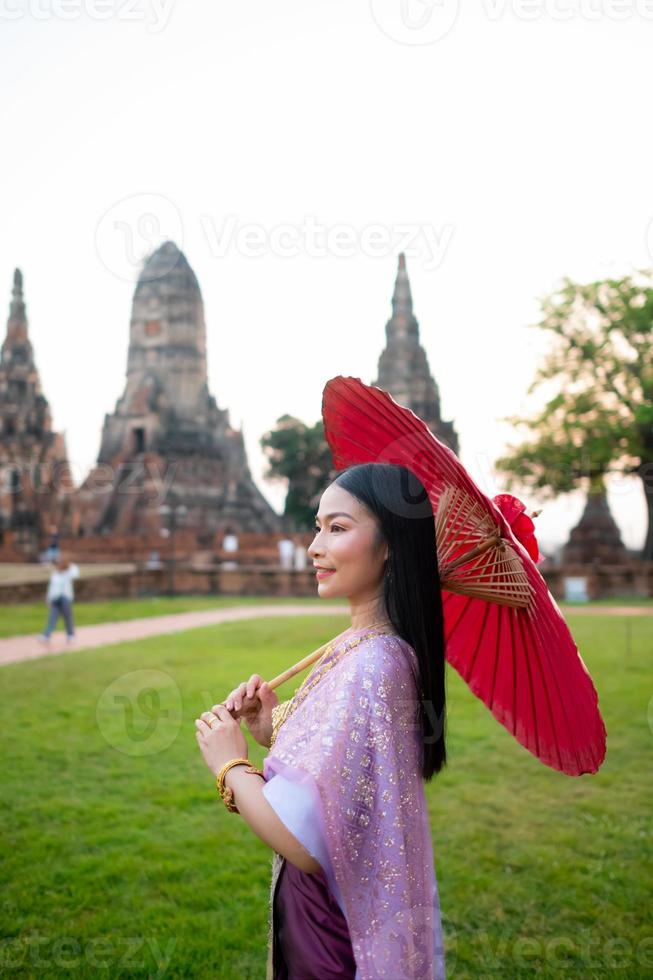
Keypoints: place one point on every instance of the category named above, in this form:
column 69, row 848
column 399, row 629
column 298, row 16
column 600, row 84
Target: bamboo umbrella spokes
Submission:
column 474, row 559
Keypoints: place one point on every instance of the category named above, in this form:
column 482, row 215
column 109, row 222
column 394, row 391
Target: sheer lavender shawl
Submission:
column 344, row 775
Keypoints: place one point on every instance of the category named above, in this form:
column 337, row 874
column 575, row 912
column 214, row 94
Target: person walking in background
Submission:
column 60, row 596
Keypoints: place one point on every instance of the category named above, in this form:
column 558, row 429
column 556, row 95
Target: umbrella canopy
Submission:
column 504, row 632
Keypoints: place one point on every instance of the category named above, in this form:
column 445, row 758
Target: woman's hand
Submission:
column 222, row 741
column 253, row 700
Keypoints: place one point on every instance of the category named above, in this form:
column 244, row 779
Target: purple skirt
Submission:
column 311, row 936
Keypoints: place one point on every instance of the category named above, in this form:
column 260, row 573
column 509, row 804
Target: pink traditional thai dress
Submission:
column 344, row 775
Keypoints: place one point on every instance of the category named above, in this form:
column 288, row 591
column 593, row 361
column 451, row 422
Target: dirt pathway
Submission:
column 15, row 648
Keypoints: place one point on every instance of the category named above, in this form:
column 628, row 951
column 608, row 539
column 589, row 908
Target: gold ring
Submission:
column 210, row 723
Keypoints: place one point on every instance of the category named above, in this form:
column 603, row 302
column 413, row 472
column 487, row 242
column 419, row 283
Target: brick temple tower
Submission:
column 403, row 369
column 36, row 485
column 596, row 538
column 167, row 442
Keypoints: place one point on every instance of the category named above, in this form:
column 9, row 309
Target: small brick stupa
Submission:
column 167, row 442
column 596, row 539
column 403, row 365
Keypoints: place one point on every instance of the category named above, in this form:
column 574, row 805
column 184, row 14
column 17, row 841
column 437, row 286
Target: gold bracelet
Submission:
column 225, row 792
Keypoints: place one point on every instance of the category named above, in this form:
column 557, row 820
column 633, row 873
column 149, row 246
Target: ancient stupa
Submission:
column 37, row 487
column 403, row 369
column 596, row 540
column 167, row 442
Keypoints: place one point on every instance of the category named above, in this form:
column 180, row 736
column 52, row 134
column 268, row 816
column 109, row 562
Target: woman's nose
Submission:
column 314, row 548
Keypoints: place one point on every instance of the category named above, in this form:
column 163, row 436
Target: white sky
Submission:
column 514, row 143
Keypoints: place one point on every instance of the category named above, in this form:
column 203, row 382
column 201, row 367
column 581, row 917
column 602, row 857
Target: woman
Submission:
column 60, row 597
column 354, row 893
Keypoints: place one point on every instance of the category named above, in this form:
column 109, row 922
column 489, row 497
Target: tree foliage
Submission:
column 597, row 378
column 299, row 454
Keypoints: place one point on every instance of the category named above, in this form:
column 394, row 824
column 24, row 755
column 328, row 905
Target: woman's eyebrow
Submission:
column 338, row 513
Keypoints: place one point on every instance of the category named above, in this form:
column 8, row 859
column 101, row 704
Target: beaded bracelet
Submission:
column 226, row 792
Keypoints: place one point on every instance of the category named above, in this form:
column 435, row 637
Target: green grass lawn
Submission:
column 119, row 858
column 31, row 617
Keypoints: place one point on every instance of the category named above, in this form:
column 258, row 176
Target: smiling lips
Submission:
column 323, row 572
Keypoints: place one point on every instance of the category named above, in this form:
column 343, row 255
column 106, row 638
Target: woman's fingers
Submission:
column 245, row 690
column 230, row 702
column 252, row 684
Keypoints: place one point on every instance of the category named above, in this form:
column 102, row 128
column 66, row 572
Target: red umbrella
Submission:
column 505, row 634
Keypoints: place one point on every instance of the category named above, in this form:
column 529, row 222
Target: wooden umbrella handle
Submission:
column 298, row 667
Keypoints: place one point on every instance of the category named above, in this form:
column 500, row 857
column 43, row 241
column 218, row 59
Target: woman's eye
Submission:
column 334, row 527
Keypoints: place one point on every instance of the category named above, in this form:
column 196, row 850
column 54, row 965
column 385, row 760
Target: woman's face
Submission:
column 347, row 544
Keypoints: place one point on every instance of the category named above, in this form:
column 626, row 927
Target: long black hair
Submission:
column 411, row 585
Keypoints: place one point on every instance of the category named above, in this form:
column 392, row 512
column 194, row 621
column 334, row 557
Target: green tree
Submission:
column 597, row 379
column 299, row 454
